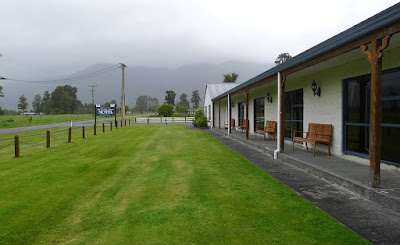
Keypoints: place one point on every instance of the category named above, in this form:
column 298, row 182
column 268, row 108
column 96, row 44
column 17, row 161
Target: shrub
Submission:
column 165, row 110
column 201, row 121
column 198, row 114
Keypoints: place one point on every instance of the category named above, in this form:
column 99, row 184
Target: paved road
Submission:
column 54, row 125
column 377, row 224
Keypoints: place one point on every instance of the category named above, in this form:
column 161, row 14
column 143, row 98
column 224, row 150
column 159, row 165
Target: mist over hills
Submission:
column 138, row 81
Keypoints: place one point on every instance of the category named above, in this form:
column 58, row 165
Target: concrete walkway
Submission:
column 335, row 185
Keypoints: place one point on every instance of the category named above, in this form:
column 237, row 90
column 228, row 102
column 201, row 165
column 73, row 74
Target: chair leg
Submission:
column 329, row 148
column 293, row 145
column 306, row 146
column 314, row 149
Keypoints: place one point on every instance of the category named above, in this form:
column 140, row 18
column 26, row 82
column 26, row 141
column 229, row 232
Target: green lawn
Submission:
column 151, row 184
column 22, row 121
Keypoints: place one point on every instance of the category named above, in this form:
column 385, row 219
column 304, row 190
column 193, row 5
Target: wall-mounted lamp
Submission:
column 269, row 98
column 317, row 91
column 232, row 104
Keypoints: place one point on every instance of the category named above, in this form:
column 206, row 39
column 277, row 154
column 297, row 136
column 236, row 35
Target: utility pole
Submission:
column 94, row 108
column 122, row 65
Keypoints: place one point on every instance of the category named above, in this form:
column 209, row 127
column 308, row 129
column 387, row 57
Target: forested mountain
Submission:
column 138, row 81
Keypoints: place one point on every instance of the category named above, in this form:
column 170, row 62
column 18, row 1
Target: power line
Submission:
column 70, row 79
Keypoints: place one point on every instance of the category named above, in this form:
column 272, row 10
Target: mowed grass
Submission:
column 152, row 185
column 23, row 121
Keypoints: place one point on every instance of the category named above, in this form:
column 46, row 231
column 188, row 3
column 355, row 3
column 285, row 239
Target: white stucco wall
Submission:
column 208, row 104
column 326, row 109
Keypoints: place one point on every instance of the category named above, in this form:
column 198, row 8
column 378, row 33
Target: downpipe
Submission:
column 279, row 118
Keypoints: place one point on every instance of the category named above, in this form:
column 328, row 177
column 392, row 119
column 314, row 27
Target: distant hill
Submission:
column 138, row 81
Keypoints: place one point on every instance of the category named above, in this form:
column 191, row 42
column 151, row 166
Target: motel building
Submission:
column 350, row 81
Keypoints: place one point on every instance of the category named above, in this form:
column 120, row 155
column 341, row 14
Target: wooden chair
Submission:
column 232, row 124
column 270, row 128
column 244, row 125
column 317, row 133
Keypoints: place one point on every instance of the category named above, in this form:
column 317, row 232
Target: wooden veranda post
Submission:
column 375, row 58
column 230, row 114
column 246, row 95
column 282, row 115
column 213, row 118
column 219, row 114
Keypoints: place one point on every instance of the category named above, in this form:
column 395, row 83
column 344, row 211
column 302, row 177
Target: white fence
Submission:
column 164, row 120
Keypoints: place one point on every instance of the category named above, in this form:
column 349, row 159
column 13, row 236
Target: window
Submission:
column 259, row 113
column 357, row 102
column 240, row 113
column 293, row 112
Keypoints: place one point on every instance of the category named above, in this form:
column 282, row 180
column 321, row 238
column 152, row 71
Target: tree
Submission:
column 146, row 103
column 37, row 104
column 230, row 77
column 142, row 103
column 195, row 99
column 170, row 97
column 183, row 100
column 64, row 99
column 165, row 110
column 183, row 104
column 22, row 105
column 282, row 58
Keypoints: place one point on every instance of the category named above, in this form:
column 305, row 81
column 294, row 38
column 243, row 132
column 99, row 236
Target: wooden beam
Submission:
column 282, row 115
column 375, row 59
column 246, row 95
column 264, row 81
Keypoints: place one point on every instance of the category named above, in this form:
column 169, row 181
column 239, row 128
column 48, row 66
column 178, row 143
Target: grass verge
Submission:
column 152, row 184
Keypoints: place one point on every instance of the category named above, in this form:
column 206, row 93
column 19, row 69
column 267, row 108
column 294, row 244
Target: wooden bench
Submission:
column 317, row 133
column 232, row 124
column 244, row 125
column 270, row 128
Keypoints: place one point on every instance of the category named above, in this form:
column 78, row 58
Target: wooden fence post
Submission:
column 94, row 129
column 129, row 122
column 48, row 139
column 110, row 126
column 103, row 128
column 83, row 132
column 69, row 135
column 121, row 123
column 16, row 144
column 125, row 122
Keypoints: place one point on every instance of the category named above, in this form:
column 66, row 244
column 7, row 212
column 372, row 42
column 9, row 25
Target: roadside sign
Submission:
column 105, row 111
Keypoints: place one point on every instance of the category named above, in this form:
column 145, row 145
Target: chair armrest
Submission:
column 294, row 133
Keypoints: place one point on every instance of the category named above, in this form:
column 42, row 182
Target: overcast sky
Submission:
column 62, row 36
